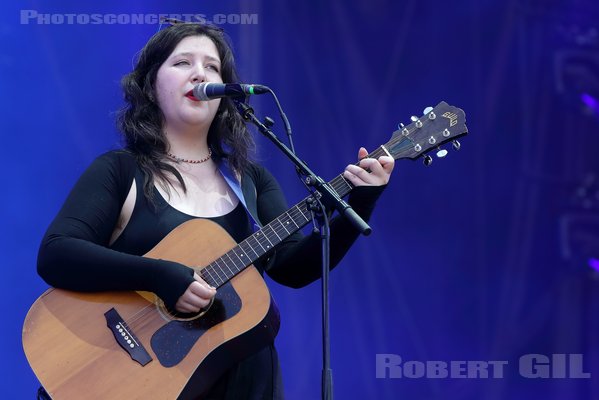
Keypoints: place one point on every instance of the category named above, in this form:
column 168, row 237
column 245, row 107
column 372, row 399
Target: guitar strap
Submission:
column 245, row 192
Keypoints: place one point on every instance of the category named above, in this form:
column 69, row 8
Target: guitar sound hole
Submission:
column 175, row 315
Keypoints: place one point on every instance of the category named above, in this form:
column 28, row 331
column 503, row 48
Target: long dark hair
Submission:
column 141, row 120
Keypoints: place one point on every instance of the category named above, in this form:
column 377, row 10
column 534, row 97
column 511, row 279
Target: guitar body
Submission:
column 75, row 355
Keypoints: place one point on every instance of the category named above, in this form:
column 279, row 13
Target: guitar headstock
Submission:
column 438, row 125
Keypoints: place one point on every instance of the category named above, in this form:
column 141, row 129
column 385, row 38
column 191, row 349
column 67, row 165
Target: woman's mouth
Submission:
column 190, row 96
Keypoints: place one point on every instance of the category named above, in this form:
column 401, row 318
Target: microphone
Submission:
column 212, row 90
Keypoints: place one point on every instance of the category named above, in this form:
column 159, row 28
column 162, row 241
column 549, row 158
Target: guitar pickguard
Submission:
column 173, row 341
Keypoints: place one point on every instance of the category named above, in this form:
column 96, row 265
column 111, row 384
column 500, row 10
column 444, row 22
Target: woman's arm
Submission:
column 297, row 261
column 74, row 255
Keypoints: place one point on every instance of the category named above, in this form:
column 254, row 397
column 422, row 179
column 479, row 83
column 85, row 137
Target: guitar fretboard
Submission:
column 221, row 270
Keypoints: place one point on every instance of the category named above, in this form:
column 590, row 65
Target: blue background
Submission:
column 482, row 256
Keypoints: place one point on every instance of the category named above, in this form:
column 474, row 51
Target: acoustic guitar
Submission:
column 111, row 345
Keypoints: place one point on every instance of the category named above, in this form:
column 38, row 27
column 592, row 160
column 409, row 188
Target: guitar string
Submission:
column 281, row 233
column 269, row 235
column 295, row 209
column 276, row 233
column 294, row 212
column 273, row 229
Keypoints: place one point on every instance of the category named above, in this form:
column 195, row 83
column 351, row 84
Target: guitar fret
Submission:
column 284, row 232
column 258, row 235
column 218, row 267
column 306, row 217
column 349, row 185
column 217, row 272
column 266, row 236
column 229, row 268
column 341, row 185
column 209, row 274
column 250, row 247
column 256, row 241
column 292, row 219
column 380, row 151
column 240, row 259
column 306, row 214
column 272, row 228
column 203, row 274
column 244, row 254
column 283, row 225
column 230, row 258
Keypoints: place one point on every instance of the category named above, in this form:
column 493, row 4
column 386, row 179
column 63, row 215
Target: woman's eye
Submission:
column 212, row 67
column 182, row 62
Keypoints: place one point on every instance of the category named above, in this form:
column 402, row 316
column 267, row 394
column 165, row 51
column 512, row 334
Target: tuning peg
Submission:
column 456, row 145
column 427, row 160
column 416, row 121
column 441, row 152
column 429, row 111
column 403, row 129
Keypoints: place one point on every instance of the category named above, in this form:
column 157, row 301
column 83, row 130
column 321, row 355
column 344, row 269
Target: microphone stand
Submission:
column 323, row 193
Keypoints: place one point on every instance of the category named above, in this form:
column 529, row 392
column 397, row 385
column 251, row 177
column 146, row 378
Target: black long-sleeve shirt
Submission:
column 76, row 253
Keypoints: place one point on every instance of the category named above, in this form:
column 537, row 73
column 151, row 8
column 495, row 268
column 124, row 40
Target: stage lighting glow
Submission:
column 590, row 102
column 594, row 263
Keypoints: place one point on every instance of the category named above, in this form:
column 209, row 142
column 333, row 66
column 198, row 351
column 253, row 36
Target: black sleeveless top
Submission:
column 149, row 224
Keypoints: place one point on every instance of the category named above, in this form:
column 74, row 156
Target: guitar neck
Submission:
column 221, row 270
column 438, row 125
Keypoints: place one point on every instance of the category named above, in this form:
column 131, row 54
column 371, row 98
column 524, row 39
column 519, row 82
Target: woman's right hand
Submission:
column 196, row 297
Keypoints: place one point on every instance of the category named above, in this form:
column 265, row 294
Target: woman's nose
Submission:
column 199, row 75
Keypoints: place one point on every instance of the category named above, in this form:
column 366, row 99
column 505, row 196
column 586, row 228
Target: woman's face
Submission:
column 194, row 60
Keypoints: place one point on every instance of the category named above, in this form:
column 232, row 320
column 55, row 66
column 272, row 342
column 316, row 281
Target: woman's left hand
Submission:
column 380, row 170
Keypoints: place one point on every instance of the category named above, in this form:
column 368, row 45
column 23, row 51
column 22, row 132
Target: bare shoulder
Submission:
column 125, row 214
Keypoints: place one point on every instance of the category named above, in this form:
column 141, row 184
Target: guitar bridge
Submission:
column 126, row 338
